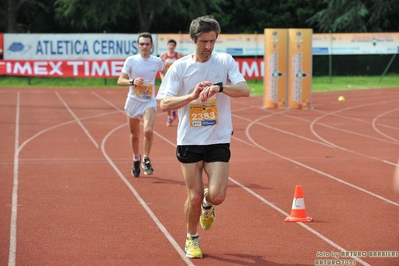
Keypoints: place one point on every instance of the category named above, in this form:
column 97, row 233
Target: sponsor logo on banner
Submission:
column 70, row 68
column 251, row 68
column 18, row 47
column 70, row 46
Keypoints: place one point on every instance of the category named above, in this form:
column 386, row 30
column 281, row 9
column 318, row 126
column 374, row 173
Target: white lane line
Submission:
column 171, row 239
column 14, row 204
column 77, row 120
column 323, row 141
column 141, row 200
column 316, row 121
column 110, row 103
column 60, row 125
column 375, row 126
column 339, row 129
column 314, row 169
column 158, row 223
column 332, row 243
column 357, row 134
column 12, row 250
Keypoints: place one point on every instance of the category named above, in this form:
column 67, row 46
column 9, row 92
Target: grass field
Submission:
column 319, row 84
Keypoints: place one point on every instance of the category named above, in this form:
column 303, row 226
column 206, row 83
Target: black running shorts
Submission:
column 207, row 153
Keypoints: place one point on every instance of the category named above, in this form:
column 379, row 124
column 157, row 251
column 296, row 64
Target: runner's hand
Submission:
column 208, row 91
column 199, row 88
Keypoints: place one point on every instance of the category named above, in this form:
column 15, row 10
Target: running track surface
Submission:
column 68, row 198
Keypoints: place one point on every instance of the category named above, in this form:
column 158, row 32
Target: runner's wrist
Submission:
column 220, row 84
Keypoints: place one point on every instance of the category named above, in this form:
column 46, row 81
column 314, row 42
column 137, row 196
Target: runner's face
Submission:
column 171, row 47
column 145, row 46
column 204, row 45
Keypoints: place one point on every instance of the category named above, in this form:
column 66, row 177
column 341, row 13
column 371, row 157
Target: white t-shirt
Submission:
column 147, row 68
column 211, row 124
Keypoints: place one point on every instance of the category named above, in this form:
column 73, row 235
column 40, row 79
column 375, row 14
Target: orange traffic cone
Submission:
column 298, row 211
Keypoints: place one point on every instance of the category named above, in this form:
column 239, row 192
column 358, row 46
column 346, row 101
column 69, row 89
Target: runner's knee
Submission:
column 216, row 198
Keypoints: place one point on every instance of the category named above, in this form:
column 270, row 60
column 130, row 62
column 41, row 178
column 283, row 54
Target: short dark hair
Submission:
column 203, row 24
column 172, row 41
column 144, row 35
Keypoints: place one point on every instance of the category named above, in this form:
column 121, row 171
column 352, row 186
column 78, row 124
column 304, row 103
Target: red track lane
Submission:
column 68, row 198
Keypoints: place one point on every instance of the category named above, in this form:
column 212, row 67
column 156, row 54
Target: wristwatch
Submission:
column 220, row 84
column 131, row 82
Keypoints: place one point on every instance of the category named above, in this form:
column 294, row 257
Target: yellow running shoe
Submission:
column 193, row 249
column 208, row 215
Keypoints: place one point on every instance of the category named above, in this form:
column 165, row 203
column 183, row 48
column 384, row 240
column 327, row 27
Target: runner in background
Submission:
column 139, row 72
column 169, row 57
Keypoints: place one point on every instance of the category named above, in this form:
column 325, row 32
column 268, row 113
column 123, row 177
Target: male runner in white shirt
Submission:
column 139, row 72
column 199, row 86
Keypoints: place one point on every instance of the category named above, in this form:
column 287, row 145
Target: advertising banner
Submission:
column 184, row 44
column 70, row 46
column 275, row 60
column 355, row 43
column 119, row 46
column 322, row 43
column 115, row 46
column 300, row 68
column 240, row 44
column 63, row 68
column 234, row 44
column 251, row 68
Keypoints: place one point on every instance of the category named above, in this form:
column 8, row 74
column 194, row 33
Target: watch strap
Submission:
column 220, row 84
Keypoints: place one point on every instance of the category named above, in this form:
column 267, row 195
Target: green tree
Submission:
column 356, row 15
column 178, row 14
column 3, row 15
column 248, row 16
column 167, row 16
column 35, row 15
column 92, row 15
column 23, row 15
column 12, row 15
column 128, row 15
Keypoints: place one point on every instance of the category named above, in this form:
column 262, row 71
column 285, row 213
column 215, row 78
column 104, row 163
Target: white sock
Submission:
column 192, row 236
column 137, row 158
column 206, row 204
